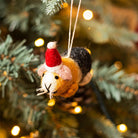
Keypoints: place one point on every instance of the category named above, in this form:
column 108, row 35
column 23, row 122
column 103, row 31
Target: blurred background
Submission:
column 105, row 108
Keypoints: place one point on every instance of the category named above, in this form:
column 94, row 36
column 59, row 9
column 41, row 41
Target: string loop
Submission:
column 70, row 40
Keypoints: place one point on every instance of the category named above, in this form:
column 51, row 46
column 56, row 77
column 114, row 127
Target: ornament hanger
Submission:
column 70, row 40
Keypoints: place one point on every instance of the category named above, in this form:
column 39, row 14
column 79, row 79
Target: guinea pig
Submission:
column 61, row 76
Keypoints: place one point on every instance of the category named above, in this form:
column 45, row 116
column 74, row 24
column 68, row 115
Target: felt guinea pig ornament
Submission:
column 61, row 76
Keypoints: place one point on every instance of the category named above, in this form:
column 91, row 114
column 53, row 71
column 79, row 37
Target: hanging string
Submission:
column 71, row 42
column 70, row 22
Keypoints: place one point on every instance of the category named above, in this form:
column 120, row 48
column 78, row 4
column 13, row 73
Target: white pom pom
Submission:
column 52, row 45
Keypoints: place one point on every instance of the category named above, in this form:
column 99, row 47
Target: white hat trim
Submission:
column 52, row 45
column 52, row 69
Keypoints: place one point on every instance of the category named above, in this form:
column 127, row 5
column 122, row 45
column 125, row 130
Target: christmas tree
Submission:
column 107, row 107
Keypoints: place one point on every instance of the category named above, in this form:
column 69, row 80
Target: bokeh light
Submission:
column 118, row 65
column 122, row 128
column 77, row 109
column 15, row 130
column 51, row 102
column 39, row 42
column 87, row 15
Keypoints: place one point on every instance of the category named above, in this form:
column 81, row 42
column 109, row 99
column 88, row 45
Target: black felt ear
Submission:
column 83, row 58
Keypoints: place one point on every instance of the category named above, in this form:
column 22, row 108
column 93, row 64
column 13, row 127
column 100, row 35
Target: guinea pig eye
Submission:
column 43, row 75
column 56, row 77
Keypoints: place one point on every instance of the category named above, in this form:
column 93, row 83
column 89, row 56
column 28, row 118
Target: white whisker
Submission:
column 39, row 89
column 41, row 93
column 50, row 95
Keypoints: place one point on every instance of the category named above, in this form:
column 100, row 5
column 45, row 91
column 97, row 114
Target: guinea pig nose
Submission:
column 47, row 88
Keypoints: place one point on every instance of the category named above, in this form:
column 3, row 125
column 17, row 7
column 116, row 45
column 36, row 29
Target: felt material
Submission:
column 73, row 89
column 82, row 58
column 86, row 79
column 63, row 71
column 65, row 87
column 52, row 58
column 63, row 79
column 49, row 83
column 41, row 70
column 52, row 69
column 53, row 83
column 52, row 45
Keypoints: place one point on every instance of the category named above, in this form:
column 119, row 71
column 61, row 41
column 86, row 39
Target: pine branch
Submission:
column 17, row 15
column 38, row 114
column 126, row 3
column 101, row 102
column 14, row 56
column 2, row 8
column 19, row 18
column 103, row 125
column 53, row 6
column 34, row 112
column 116, row 84
column 107, row 33
column 16, row 21
column 46, row 26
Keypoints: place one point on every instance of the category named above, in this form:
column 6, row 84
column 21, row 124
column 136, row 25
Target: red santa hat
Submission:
column 52, row 56
column 53, row 63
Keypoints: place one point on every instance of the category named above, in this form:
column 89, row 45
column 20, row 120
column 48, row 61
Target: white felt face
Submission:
column 49, row 82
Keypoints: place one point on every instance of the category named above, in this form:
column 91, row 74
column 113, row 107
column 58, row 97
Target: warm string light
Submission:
column 122, row 128
column 15, row 130
column 25, row 95
column 32, row 135
column 77, row 109
column 118, row 65
column 136, row 92
column 74, row 104
column 89, row 28
column 65, row 5
column 51, row 102
column 39, row 42
column 89, row 51
column 5, row 73
column 91, row 72
column 88, row 15
column 3, row 133
column 127, row 89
